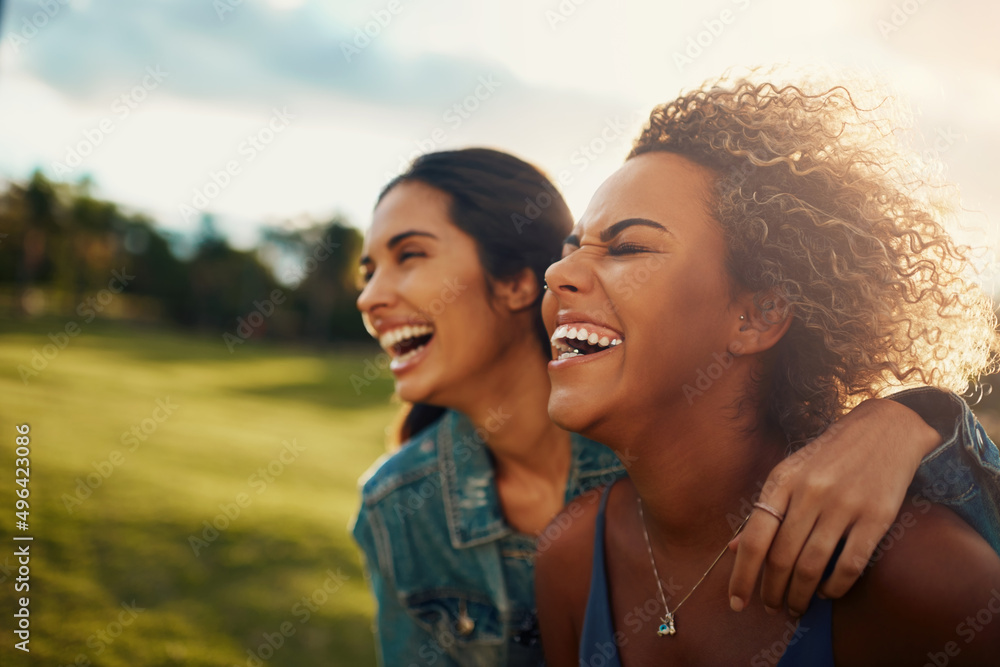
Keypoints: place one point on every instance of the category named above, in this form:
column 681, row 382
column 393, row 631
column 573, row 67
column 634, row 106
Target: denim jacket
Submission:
column 454, row 584
column 962, row 474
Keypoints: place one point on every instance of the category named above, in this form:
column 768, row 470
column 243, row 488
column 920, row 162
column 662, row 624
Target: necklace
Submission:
column 667, row 623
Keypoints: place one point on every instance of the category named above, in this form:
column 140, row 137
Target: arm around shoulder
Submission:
column 963, row 472
column 932, row 594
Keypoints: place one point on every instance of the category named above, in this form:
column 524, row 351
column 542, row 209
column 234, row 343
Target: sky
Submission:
column 290, row 111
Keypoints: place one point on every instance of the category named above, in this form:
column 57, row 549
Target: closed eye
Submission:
column 367, row 270
column 627, row 249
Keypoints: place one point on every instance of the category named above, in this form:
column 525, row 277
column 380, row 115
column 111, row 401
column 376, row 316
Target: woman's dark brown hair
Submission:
column 511, row 210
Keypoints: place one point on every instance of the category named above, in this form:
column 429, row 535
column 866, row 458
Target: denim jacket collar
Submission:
column 468, row 482
column 469, row 490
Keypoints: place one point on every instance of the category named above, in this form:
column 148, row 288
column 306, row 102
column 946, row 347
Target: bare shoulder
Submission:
column 562, row 577
column 931, row 578
column 566, row 546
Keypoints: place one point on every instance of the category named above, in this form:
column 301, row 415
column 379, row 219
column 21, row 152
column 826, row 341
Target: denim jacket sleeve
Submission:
column 399, row 641
column 963, row 473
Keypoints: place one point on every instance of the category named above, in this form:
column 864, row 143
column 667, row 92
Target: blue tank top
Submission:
column 811, row 646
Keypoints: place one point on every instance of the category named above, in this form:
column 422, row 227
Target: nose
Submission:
column 568, row 275
column 377, row 293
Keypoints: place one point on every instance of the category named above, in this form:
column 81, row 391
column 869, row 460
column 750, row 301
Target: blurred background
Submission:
column 183, row 192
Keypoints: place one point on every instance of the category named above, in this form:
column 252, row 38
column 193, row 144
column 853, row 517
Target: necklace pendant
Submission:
column 667, row 626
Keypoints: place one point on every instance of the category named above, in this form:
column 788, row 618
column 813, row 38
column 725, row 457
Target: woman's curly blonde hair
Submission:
column 821, row 206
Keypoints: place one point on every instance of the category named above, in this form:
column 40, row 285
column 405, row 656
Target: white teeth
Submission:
column 399, row 334
column 564, row 340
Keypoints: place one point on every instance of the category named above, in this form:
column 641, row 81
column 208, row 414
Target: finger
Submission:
column 812, row 562
column 751, row 550
column 755, row 539
column 857, row 553
column 800, row 518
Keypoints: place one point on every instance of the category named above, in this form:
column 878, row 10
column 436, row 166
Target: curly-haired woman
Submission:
column 449, row 524
column 776, row 243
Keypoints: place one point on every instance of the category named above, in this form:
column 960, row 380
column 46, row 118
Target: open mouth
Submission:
column 577, row 341
column 406, row 342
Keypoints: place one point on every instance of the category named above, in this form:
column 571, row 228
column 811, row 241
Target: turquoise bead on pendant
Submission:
column 666, row 626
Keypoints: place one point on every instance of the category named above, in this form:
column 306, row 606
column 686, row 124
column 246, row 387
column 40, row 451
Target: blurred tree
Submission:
column 61, row 241
column 322, row 261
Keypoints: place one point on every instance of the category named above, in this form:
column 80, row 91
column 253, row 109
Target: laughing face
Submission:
column 426, row 298
column 641, row 299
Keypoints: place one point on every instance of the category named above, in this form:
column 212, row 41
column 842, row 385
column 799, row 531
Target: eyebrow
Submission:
column 620, row 226
column 396, row 240
column 617, row 228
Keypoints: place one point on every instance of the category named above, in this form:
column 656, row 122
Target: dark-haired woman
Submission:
column 451, row 522
column 782, row 235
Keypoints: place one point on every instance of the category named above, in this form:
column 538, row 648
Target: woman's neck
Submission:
column 699, row 481
column 510, row 406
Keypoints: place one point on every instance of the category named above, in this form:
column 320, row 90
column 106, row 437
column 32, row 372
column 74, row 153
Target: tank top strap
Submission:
column 812, row 643
column 598, row 636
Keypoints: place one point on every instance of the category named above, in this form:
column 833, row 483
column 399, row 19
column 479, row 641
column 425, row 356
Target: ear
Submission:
column 517, row 292
column 767, row 316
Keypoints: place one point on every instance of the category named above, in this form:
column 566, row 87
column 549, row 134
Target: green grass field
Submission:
column 284, row 568
column 113, row 517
